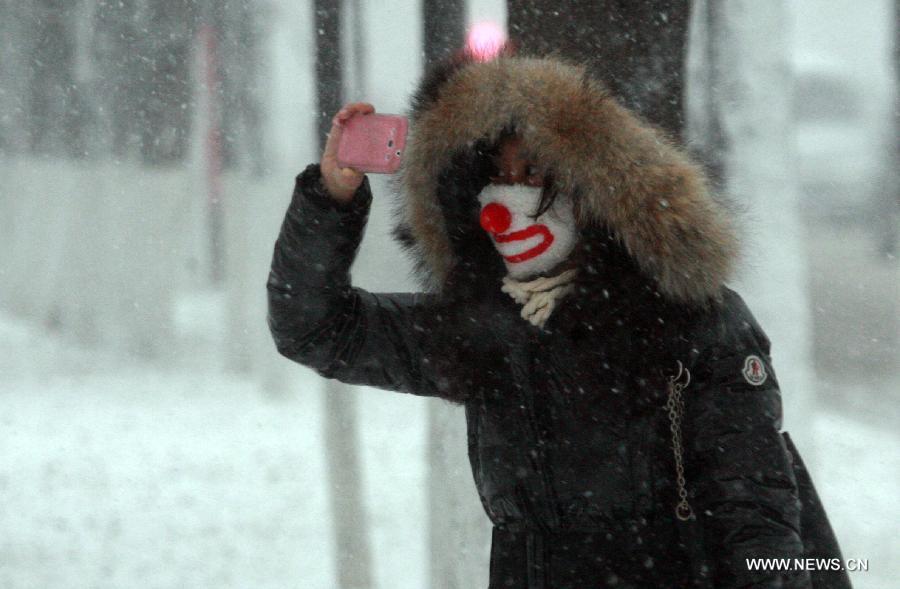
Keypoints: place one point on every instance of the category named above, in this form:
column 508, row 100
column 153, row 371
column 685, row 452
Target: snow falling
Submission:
column 150, row 435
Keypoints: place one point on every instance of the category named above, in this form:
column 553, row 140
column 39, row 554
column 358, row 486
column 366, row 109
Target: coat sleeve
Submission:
column 745, row 496
column 318, row 319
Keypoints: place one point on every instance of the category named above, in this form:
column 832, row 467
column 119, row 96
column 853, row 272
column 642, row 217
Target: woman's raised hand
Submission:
column 340, row 182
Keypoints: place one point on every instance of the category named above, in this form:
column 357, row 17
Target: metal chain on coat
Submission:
column 675, row 408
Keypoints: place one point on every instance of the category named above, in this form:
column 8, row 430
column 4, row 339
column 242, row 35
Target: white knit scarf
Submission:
column 540, row 296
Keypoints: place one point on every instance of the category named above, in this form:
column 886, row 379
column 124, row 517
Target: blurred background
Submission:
column 150, row 435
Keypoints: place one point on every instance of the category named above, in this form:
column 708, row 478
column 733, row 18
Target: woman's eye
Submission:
column 532, row 170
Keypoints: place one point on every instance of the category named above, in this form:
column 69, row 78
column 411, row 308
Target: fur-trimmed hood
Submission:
column 624, row 173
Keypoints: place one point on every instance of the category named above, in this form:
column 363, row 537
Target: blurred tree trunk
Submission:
column 890, row 243
column 164, row 122
column 637, row 48
column 748, row 127
column 329, row 78
column 458, row 530
column 348, row 512
column 141, row 52
column 115, row 32
column 240, row 35
column 14, row 73
column 53, row 99
column 703, row 78
column 444, row 28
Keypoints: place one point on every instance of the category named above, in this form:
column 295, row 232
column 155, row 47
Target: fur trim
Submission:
column 625, row 173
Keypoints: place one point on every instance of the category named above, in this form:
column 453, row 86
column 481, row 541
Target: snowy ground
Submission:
column 116, row 473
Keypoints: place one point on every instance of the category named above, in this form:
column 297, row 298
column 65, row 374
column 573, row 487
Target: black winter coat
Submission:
column 570, row 441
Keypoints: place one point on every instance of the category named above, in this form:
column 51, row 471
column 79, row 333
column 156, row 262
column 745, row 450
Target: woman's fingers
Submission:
column 337, row 125
column 334, row 139
column 348, row 110
column 341, row 182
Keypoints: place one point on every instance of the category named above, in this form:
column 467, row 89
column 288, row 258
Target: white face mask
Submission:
column 528, row 246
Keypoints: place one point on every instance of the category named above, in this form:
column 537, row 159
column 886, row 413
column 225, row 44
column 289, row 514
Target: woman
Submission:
column 622, row 411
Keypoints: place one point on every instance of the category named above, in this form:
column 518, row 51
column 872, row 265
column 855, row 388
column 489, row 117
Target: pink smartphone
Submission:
column 373, row 143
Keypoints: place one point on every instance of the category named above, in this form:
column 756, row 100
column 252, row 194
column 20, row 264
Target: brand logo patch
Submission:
column 754, row 370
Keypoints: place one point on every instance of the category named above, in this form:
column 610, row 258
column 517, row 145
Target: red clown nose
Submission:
column 495, row 218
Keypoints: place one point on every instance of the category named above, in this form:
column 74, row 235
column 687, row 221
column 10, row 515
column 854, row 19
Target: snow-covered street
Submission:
column 117, row 474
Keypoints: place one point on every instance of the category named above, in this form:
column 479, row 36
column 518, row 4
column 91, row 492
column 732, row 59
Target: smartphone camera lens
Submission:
column 391, row 143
